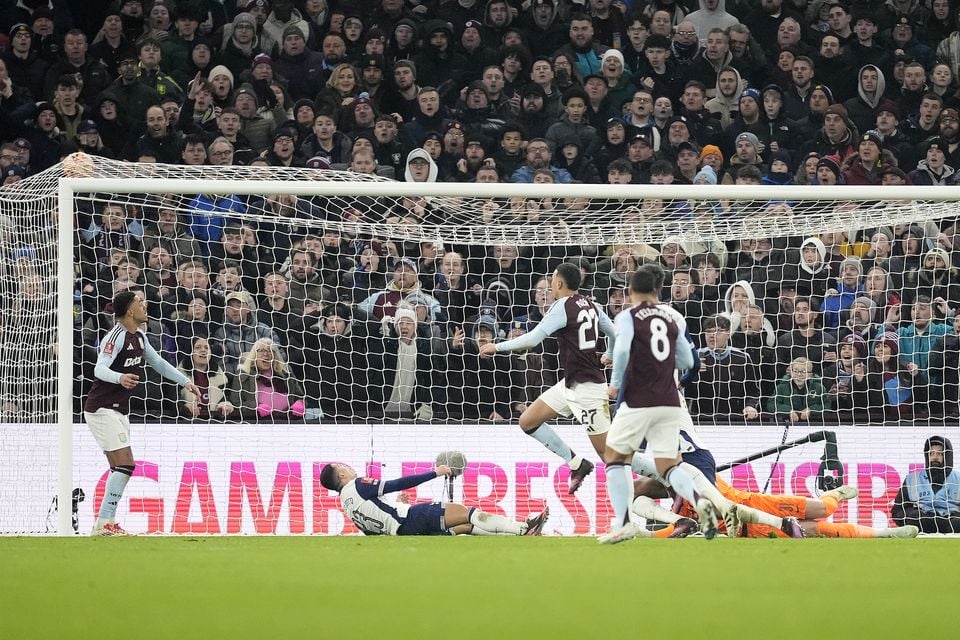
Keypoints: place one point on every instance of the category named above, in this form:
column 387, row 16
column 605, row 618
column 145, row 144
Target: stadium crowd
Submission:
column 851, row 326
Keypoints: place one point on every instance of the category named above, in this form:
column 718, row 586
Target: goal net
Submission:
column 336, row 316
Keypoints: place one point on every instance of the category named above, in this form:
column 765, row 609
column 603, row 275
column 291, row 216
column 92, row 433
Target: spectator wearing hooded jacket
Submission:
column 712, row 14
column 810, row 273
column 871, row 88
column 930, row 498
column 543, row 27
column 438, row 64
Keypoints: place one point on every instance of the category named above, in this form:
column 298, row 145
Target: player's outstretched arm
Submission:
column 408, row 482
column 163, row 367
column 684, row 358
column 553, row 321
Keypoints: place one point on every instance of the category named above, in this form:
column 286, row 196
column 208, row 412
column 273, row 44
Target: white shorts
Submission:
column 659, row 426
column 586, row 403
column 111, row 429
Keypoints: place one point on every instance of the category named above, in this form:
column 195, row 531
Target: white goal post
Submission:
column 594, row 215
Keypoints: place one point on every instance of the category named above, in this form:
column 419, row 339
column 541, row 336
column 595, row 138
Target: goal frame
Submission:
column 68, row 187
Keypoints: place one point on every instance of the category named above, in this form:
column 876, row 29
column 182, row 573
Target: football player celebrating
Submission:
column 576, row 321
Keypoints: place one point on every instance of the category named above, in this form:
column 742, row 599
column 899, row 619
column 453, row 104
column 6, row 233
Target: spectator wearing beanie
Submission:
column 847, row 289
column 240, row 43
column 302, row 67
column 711, row 156
column 780, row 173
column 828, row 171
column 748, row 149
column 835, row 137
column 863, row 167
column 933, row 169
column 950, row 132
column 887, row 119
column 282, row 15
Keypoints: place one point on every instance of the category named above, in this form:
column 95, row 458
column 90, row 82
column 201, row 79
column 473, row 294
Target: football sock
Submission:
column 620, row 490
column 755, row 516
column 493, row 524
column 666, row 532
column 648, row 509
column 116, row 483
column 682, row 484
column 847, row 530
column 545, row 435
column 706, row 488
column 829, row 504
column 646, row 467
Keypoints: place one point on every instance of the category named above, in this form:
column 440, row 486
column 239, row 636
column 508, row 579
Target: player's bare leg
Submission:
column 460, row 519
column 825, row 505
column 122, row 466
column 533, row 422
column 677, row 525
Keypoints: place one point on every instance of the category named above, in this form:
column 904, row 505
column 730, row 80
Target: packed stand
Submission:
column 283, row 320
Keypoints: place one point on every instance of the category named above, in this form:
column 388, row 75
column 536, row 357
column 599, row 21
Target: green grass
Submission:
column 491, row 588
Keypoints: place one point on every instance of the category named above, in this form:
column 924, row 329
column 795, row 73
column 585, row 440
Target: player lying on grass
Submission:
column 762, row 515
column 362, row 501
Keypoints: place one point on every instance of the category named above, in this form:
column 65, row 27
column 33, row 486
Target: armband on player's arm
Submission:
column 407, row 482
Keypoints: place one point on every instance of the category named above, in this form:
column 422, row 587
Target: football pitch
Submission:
column 549, row 587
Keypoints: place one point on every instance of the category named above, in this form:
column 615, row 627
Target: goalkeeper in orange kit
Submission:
column 758, row 515
column 763, row 517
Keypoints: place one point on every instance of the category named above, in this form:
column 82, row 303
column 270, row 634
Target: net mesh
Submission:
column 323, row 277
column 334, row 290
